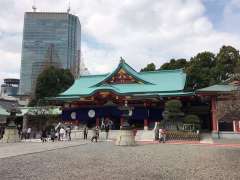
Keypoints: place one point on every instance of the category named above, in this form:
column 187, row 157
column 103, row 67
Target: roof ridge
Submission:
column 162, row 70
column 93, row 75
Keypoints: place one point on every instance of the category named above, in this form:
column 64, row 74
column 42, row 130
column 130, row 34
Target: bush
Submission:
column 173, row 106
column 172, row 113
column 192, row 119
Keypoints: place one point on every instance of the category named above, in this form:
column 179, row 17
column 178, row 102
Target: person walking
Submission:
column 62, row 132
column 44, row 136
column 68, row 133
column 85, row 132
column 52, row 135
column 95, row 134
column 97, row 131
column 29, row 130
column 107, row 127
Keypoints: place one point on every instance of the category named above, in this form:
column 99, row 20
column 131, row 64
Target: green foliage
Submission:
column 199, row 70
column 53, row 81
column 172, row 112
column 149, row 67
column 175, row 64
column 192, row 119
column 206, row 68
column 226, row 61
column 173, row 106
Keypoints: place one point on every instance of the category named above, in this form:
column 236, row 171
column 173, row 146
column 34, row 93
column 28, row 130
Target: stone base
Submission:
column 225, row 135
column 10, row 135
column 125, row 138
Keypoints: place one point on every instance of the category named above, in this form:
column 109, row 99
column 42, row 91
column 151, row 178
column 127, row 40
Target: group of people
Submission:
column 60, row 134
column 95, row 135
column 105, row 126
column 24, row 133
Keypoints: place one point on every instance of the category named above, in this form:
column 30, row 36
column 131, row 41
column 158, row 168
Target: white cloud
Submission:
column 141, row 31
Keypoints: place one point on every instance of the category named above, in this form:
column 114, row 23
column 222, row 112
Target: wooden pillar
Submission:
column 214, row 115
column 97, row 121
column 145, row 124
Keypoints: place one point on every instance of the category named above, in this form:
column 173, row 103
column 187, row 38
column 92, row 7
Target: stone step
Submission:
column 142, row 135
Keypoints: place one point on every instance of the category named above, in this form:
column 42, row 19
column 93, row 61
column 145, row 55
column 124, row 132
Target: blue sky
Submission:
column 214, row 10
column 141, row 31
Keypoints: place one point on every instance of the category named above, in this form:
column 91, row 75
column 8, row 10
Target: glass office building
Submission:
column 48, row 39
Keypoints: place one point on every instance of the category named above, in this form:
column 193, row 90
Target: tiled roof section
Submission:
column 153, row 82
column 218, row 88
column 123, row 65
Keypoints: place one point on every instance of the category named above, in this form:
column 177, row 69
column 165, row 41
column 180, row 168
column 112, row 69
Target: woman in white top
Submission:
column 62, row 132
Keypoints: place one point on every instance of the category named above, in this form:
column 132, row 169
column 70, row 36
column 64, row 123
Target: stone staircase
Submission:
column 145, row 135
column 142, row 135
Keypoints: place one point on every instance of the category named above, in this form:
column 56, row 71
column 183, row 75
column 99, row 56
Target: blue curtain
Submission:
column 139, row 113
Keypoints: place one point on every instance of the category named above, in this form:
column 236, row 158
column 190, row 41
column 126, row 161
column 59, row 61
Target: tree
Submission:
column 192, row 119
column 172, row 113
column 175, row 64
column 52, row 81
column 199, row 70
column 149, row 67
column 226, row 61
column 229, row 108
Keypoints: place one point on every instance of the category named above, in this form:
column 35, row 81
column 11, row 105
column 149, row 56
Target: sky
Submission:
column 140, row 31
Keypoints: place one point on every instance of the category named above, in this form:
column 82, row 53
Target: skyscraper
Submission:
column 48, row 39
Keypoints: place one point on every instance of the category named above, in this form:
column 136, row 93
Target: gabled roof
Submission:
column 160, row 81
column 218, row 88
column 128, row 69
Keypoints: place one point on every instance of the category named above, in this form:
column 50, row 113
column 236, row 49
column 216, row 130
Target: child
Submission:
column 162, row 135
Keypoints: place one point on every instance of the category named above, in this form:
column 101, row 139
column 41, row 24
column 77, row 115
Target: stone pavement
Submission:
column 106, row 161
column 35, row 146
column 206, row 138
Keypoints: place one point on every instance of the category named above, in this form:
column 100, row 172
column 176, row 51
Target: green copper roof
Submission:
column 50, row 110
column 127, row 68
column 217, row 88
column 161, row 81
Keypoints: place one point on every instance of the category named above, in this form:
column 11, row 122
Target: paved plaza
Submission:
column 104, row 160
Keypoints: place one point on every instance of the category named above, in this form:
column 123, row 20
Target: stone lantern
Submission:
column 11, row 132
column 126, row 135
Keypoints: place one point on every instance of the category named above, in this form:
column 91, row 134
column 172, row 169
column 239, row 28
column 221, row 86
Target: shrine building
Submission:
column 225, row 114
column 93, row 98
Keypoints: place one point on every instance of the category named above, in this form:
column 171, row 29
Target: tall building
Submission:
column 48, row 39
column 9, row 88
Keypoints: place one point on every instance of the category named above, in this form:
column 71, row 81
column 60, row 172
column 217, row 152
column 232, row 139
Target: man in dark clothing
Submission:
column 52, row 133
column 107, row 130
column 85, row 132
column 44, row 135
column 68, row 132
column 95, row 134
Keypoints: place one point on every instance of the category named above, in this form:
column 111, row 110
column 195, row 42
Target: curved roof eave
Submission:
column 128, row 69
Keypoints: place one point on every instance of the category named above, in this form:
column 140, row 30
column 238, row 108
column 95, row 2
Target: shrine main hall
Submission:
column 94, row 98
